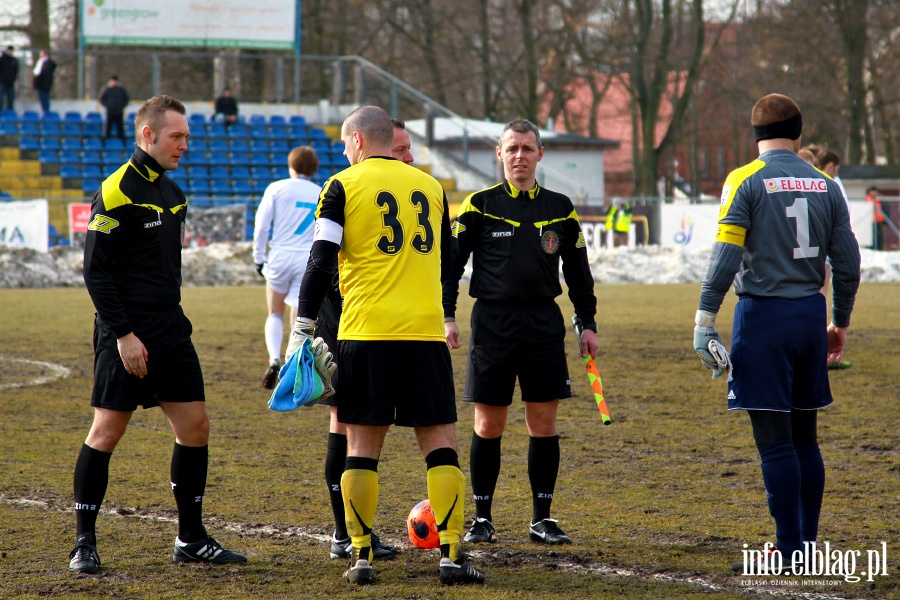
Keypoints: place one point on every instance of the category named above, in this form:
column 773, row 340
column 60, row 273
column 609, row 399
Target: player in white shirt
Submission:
column 284, row 221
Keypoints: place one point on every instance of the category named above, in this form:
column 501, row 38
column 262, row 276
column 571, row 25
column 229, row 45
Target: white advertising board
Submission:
column 262, row 24
column 23, row 224
column 695, row 224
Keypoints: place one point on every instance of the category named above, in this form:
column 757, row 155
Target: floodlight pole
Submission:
column 298, row 49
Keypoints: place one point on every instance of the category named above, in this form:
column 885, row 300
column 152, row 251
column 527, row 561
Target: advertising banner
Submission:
column 260, row 24
column 23, row 224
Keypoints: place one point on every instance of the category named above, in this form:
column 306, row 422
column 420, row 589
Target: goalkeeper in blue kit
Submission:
column 779, row 218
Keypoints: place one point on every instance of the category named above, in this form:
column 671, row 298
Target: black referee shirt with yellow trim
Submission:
column 516, row 240
column 132, row 252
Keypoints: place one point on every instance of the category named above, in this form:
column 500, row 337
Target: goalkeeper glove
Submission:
column 708, row 344
column 303, row 328
column 259, row 268
column 325, row 366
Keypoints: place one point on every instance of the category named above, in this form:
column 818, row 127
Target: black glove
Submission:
column 259, row 269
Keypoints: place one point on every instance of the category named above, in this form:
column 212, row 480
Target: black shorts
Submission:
column 409, row 383
column 173, row 368
column 514, row 341
column 327, row 328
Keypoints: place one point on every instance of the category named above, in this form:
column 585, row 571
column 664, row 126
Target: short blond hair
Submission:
column 152, row 113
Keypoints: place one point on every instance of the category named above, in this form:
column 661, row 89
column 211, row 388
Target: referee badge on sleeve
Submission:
column 550, row 242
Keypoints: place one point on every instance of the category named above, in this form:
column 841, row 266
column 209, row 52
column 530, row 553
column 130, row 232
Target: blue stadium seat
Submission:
column 239, row 146
column 259, row 160
column 239, row 158
column 238, row 131
column 72, row 116
column 198, row 132
column 277, row 159
column 218, row 146
column 90, row 186
column 315, row 133
column 70, row 157
column 199, row 186
column 71, row 143
column 338, row 147
column 240, row 172
column 70, row 172
column 340, row 161
column 297, row 120
column 93, row 144
column 259, row 188
column 50, row 143
column 200, row 201
column 278, row 133
column 51, row 128
column 96, row 129
column 91, row 158
column 219, row 172
column 260, row 173
column 93, row 117
column 32, row 116
column 9, row 115
column 277, row 121
column 51, row 116
column 29, row 143
column 91, row 172
column 257, row 120
column 29, row 128
column 241, row 187
column 321, row 147
column 259, row 146
column 196, row 172
column 114, row 144
column 280, row 146
column 129, row 130
column 196, row 158
column 280, row 172
column 70, row 130
column 217, row 131
column 113, row 157
column 321, row 175
column 259, row 132
column 129, row 118
column 50, row 157
column 196, row 119
column 109, row 169
column 220, row 186
column 8, row 128
column 198, row 145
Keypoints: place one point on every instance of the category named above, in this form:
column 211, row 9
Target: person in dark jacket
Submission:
column 43, row 79
column 114, row 98
column 226, row 108
column 9, row 72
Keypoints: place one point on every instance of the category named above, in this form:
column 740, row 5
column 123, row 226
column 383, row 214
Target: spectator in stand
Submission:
column 9, row 72
column 115, row 99
column 878, row 215
column 226, row 108
column 43, row 79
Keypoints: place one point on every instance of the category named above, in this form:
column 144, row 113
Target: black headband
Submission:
column 789, row 129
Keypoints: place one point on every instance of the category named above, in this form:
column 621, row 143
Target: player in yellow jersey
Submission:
column 384, row 226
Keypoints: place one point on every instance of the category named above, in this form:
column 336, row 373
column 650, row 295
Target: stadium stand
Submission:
column 222, row 165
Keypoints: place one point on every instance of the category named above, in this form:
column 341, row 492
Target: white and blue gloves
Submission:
column 708, row 344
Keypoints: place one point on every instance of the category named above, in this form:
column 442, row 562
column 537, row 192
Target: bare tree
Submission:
column 669, row 53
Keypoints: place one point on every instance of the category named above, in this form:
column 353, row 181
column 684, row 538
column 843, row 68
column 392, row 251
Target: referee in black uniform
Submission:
column 518, row 232
column 143, row 354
